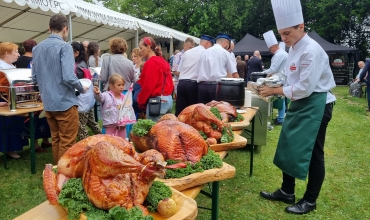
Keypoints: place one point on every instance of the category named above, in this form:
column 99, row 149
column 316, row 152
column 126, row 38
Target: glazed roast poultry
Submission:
column 113, row 173
column 174, row 139
column 202, row 119
column 227, row 111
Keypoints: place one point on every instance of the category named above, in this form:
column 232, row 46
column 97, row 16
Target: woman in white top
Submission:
column 8, row 55
column 93, row 52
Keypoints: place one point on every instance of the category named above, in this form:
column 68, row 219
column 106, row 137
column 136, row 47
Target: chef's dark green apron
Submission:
column 298, row 135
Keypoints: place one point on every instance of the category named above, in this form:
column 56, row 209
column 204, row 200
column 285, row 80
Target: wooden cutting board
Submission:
column 238, row 142
column 225, row 172
column 248, row 116
column 187, row 208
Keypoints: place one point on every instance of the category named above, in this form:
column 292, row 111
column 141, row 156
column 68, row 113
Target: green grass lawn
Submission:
column 345, row 193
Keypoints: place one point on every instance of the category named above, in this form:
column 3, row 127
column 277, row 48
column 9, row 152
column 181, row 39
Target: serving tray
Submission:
column 238, row 142
column 225, row 172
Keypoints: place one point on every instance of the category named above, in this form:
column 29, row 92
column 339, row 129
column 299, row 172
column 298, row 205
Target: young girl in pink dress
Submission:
column 111, row 102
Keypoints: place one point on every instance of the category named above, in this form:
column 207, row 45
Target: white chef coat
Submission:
column 232, row 58
column 188, row 63
column 214, row 63
column 278, row 62
column 308, row 71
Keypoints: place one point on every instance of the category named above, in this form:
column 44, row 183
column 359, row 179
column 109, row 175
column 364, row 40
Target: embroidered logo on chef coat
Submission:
column 293, row 67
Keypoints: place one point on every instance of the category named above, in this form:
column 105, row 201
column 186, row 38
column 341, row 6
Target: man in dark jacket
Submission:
column 367, row 80
column 254, row 64
column 240, row 66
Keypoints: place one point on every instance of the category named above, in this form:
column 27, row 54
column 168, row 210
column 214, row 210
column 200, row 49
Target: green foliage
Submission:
column 216, row 112
column 157, row 192
column 239, row 117
column 204, row 136
column 74, row 198
column 227, row 135
column 142, row 127
column 209, row 161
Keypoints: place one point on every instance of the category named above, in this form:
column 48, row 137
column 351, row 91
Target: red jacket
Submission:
column 151, row 80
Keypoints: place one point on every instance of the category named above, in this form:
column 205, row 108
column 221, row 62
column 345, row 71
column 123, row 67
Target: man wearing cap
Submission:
column 214, row 64
column 278, row 62
column 300, row 150
column 188, row 85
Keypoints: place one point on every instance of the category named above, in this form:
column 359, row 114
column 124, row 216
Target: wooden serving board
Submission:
column 225, row 172
column 238, row 142
column 248, row 116
column 187, row 208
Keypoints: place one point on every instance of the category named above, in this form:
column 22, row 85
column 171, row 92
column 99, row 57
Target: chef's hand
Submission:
column 96, row 90
column 266, row 91
column 2, row 104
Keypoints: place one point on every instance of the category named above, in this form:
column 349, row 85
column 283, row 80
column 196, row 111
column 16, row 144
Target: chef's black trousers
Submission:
column 316, row 172
column 206, row 92
column 187, row 94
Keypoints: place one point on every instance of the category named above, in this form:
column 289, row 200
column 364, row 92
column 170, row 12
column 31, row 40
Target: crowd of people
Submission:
column 192, row 74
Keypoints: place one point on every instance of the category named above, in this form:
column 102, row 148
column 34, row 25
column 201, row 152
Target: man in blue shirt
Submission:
column 53, row 70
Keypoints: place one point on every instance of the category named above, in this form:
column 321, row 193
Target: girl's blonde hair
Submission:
column 114, row 78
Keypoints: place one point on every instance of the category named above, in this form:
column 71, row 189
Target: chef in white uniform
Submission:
column 188, row 85
column 214, row 64
column 278, row 62
column 300, row 150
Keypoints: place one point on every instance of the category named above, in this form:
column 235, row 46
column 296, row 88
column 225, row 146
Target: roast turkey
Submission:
column 227, row 111
column 174, row 140
column 113, row 173
column 202, row 119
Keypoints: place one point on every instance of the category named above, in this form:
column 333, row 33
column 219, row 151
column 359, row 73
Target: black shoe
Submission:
column 279, row 195
column 43, row 145
column 276, row 122
column 301, row 207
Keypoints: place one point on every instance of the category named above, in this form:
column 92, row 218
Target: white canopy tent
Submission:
column 28, row 19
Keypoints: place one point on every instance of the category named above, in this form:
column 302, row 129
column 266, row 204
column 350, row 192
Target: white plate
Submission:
column 85, row 82
column 240, row 111
column 232, row 79
column 28, row 105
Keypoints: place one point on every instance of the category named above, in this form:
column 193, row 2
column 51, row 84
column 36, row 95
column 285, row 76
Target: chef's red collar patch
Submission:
column 293, row 67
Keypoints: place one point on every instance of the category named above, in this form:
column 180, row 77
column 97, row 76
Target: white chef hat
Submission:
column 288, row 13
column 282, row 45
column 270, row 38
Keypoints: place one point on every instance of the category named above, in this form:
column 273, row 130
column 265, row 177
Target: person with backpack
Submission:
column 86, row 101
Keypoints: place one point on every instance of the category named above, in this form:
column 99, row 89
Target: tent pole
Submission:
column 69, row 18
column 171, row 46
column 137, row 38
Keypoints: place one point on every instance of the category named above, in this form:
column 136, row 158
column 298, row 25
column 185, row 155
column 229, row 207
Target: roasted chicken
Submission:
column 227, row 111
column 113, row 174
column 202, row 119
column 175, row 140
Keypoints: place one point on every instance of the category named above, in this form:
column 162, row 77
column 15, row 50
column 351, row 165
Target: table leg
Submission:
column 252, row 149
column 215, row 199
column 32, row 142
column 4, row 140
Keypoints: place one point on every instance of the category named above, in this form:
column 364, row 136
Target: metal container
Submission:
column 231, row 90
column 16, row 86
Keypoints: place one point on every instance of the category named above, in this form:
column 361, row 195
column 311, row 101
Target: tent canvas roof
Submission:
column 24, row 19
column 329, row 47
column 249, row 44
